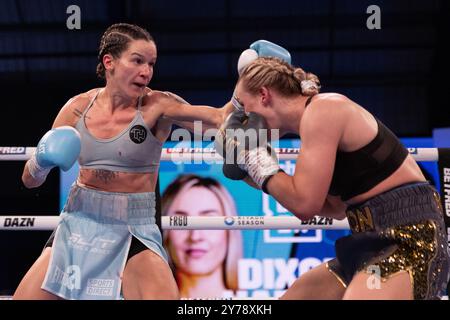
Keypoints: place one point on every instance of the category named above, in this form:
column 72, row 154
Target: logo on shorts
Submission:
column 360, row 219
column 138, row 134
column 97, row 245
column 229, row 221
column 70, row 278
column 100, row 287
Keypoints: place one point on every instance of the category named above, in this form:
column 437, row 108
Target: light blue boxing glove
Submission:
column 262, row 48
column 259, row 48
column 59, row 147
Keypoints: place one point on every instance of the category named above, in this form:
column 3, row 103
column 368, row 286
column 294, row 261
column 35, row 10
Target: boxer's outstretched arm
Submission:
column 176, row 110
column 189, row 125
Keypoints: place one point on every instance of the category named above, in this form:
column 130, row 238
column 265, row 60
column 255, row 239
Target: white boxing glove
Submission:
column 262, row 48
column 246, row 57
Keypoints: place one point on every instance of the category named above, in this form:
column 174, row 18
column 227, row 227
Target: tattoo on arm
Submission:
column 105, row 175
column 78, row 113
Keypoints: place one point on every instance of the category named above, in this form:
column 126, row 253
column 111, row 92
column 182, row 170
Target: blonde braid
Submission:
column 276, row 73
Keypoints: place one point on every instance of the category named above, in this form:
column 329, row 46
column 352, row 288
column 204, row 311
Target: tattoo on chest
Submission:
column 105, row 175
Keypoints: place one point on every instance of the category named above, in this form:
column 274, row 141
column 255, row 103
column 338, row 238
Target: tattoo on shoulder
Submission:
column 78, row 113
column 105, row 175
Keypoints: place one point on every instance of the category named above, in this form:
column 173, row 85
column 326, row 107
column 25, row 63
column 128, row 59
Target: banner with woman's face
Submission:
column 271, row 260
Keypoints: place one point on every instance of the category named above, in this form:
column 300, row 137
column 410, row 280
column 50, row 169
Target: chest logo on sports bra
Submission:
column 138, row 134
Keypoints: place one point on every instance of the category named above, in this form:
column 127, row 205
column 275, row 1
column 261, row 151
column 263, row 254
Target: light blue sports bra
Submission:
column 135, row 149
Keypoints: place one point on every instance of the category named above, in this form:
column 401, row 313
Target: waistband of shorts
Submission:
column 112, row 207
column 406, row 204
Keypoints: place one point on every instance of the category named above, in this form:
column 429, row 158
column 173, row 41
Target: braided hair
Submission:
column 280, row 75
column 115, row 40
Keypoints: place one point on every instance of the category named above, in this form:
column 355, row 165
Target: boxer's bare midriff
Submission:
column 408, row 172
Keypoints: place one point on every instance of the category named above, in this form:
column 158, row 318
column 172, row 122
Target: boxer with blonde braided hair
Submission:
column 350, row 165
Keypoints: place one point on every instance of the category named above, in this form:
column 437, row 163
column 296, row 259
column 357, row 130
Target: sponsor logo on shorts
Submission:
column 19, row 222
column 360, row 219
column 100, row 287
column 138, row 134
column 12, row 150
column 96, row 245
column 70, row 278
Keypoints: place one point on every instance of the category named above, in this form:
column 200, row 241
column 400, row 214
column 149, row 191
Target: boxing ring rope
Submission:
column 42, row 223
column 27, row 222
column 207, row 154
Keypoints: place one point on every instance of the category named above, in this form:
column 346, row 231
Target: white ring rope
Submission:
column 42, row 223
column 207, row 154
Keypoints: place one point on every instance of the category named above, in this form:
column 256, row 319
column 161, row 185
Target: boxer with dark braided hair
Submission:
column 107, row 244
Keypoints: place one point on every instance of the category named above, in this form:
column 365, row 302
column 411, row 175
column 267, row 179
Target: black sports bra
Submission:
column 358, row 171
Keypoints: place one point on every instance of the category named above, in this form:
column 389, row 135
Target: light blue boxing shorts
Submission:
column 91, row 243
